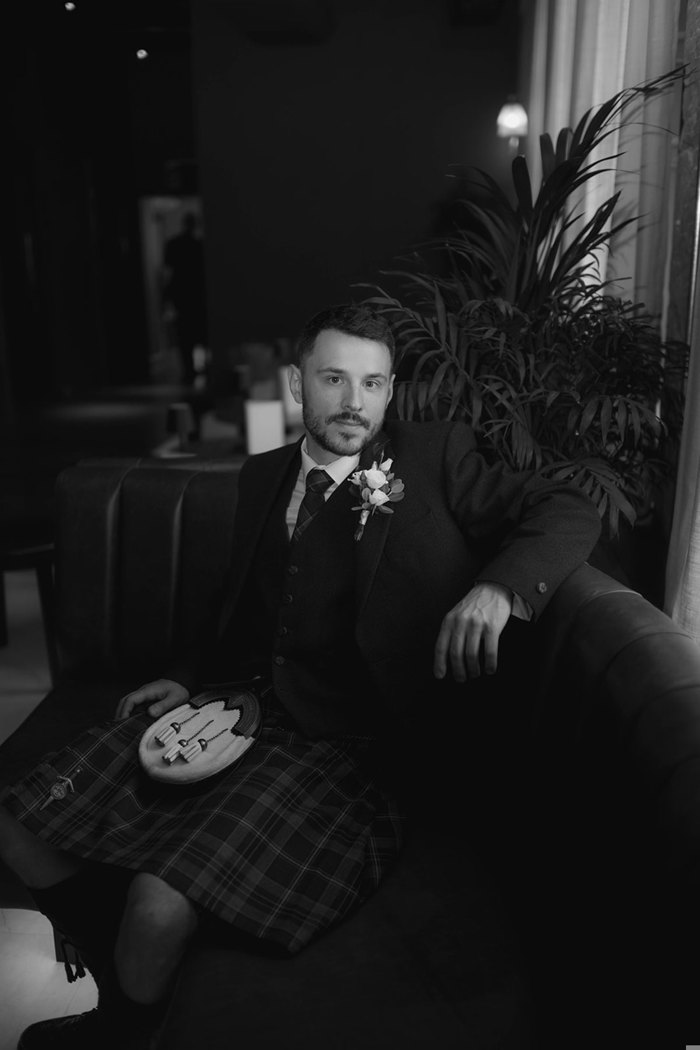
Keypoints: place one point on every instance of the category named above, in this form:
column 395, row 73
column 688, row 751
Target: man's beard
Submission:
column 348, row 444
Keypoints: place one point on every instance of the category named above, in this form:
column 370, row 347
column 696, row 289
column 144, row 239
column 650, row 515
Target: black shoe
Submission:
column 78, row 1032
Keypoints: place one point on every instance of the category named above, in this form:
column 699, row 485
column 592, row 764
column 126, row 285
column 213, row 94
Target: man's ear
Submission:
column 295, row 383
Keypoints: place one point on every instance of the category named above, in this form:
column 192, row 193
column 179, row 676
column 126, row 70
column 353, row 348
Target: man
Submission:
column 358, row 621
column 185, row 290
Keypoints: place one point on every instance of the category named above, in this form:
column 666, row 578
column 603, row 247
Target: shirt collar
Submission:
column 338, row 469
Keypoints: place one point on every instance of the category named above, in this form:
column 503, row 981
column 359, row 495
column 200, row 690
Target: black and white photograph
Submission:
column 349, row 524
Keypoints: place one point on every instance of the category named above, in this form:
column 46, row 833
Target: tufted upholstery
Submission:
column 547, row 885
column 153, row 544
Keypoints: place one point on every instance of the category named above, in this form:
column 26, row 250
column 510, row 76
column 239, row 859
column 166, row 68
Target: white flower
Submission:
column 377, row 497
column 374, row 478
column 378, row 487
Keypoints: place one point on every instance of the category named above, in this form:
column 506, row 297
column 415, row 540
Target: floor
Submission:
column 32, row 984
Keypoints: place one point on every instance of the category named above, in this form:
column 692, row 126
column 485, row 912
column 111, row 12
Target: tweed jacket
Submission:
column 460, row 521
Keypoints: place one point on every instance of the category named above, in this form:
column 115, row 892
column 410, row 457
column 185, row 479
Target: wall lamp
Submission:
column 511, row 123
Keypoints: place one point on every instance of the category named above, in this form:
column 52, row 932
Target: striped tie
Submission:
column 317, row 481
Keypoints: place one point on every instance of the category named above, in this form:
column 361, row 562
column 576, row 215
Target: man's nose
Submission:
column 353, row 397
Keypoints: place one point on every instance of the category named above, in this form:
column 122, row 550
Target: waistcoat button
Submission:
column 287, row 599
column 279, row 660
column 293, row 570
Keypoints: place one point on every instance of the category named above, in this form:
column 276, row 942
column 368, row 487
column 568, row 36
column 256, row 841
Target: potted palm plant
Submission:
column 505, row 323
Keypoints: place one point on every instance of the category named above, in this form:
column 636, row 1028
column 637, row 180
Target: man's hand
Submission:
column 474, row 622
column 163, row 695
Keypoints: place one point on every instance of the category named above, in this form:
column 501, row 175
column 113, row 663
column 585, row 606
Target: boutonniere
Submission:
column 378, row 487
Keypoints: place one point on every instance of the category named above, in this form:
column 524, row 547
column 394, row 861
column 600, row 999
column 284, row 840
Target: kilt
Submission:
column 280, row 845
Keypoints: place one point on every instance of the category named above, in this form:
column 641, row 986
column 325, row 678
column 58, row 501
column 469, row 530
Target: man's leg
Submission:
column 37, row 864
column 157, row 925
column 83, row 901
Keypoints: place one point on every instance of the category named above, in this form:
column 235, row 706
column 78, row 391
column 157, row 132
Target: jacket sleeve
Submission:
column 534, row 532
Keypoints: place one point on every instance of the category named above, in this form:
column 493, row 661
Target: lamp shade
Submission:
column 512, row 121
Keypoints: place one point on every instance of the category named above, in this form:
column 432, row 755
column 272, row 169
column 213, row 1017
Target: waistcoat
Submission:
column 295, row 619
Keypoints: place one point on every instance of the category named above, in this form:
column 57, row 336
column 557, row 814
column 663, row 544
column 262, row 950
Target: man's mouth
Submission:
column 350, row 421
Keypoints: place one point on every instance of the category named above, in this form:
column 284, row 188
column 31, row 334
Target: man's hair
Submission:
column 361, row 321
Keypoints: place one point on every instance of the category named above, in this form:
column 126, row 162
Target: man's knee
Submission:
column 159, row 909
column 11, row 831
column 35, row 862
column 15, row 840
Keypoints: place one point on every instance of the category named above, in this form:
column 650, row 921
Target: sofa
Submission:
column 546, row 895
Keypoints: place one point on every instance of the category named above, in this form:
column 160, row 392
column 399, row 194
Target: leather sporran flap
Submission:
column 200, row 738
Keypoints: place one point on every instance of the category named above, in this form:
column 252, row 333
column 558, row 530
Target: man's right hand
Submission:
column 162, row 695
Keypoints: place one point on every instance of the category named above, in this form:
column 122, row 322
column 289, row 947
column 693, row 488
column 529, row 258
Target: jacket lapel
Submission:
column 264, row 483
column 370, row 546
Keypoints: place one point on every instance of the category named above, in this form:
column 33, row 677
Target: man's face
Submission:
column 343, row 386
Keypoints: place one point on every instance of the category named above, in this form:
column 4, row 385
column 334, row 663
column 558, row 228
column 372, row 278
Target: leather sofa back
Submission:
column 141, row 548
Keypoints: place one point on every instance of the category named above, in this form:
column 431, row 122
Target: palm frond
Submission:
column 511, row 327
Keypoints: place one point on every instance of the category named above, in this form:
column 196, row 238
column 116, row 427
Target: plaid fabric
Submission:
column 317, row 481
column 280, row 845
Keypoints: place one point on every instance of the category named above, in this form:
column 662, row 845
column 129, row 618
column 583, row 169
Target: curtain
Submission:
column 682, row 600
column 575, row 55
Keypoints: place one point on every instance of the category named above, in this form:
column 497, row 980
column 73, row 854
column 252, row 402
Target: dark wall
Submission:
column 320, row 134
column 87, row 129
column 326, row 133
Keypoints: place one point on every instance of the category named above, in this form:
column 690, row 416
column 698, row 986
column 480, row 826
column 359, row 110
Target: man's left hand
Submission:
column 475, row 622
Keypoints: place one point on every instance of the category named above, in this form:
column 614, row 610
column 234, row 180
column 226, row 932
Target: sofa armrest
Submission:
column 620, row 691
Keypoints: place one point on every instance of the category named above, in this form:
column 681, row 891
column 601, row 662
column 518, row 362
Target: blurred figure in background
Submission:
column 184, row 290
